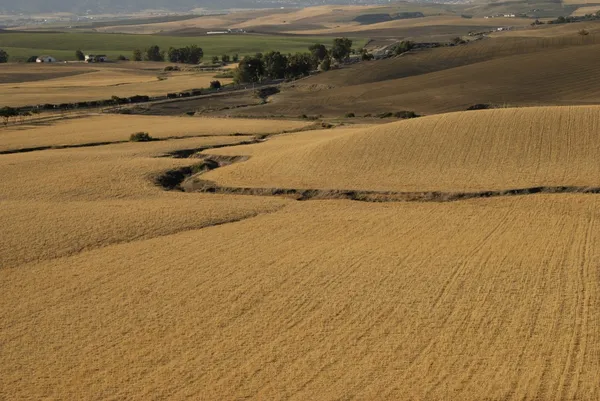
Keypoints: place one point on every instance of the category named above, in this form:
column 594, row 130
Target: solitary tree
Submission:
column 79, row 55
column 215, row 85
column 137, row 55
column 7, row 113
column 235, row 58
column 215, row 59
column 32, row 59
column 225, row 58
column 3, row 56
column 341, row 48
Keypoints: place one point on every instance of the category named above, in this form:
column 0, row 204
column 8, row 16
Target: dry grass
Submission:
column 86, row 198
column 467, row 151
column 493, row 299
column 414, row 23
column 581, row 11
column 84, row 83
column 112, row 128
column 529, row 78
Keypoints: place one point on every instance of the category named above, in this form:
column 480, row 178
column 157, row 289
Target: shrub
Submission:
column 122, row 58
column 480, row 106
column 171, row 68
column 386, row 115
column 140, row 137
column 405, row 114
column 349, row 115
column 215, row 85
column 32, row 59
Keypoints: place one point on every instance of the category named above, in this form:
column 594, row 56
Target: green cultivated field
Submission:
column 22, row 45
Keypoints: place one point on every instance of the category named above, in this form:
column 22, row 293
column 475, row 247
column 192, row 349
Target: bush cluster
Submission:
column 140, row 137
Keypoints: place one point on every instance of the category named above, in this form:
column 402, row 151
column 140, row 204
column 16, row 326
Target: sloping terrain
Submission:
column 553, row 77
column 467, row 151
column 93, row 129
column 486, row 299
column 39, row 84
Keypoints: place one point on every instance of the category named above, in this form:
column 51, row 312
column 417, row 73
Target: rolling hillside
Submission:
column 443, row 80
column 457, row 152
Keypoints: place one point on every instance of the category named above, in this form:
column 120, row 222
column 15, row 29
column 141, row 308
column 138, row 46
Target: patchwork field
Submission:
column 117, row 128
column 62, row 45
column 39, row 84
column 130, row 296
column 329, row 257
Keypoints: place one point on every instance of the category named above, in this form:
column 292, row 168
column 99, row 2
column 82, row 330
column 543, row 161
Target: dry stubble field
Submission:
column 32, row 84
column 111, row 288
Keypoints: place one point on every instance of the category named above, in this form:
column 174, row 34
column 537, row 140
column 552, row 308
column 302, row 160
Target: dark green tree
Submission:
column 4, row 56
column 403, row 47
column 225, row 58
column 250, row 69
column 137, row 55
column 275, row 65
column 215, row 60
column 318, row 51
column 32, row 59
column 341, row 49
column 299, row 64
column 235, row 58
column 153, row 53
column 79, row 55
column 7, row 113
column 325, row 64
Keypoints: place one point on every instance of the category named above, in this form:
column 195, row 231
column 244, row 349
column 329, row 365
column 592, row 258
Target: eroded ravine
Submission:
column 188, row 179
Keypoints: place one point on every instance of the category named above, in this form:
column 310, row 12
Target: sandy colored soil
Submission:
column 321, row 300
column 96, row 83
column 417, row 22
column 117, row 128
column 467, row 151
column 113, row 288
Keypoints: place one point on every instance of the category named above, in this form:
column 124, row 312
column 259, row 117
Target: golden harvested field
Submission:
column 416, row 22
column 304, row 19
column 487, row 299
column 112, row 287
column 83, row 83
column 118, row 128
column 466, row 151
column 85, row 198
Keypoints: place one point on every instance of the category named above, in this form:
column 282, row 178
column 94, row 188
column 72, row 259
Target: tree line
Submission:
column 275, row 65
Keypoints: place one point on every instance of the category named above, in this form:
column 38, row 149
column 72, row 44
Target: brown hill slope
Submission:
column 552, row 77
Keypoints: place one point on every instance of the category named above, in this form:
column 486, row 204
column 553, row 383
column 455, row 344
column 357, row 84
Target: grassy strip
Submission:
column 62, row 45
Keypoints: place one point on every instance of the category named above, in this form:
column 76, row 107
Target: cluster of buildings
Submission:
column 89, row 58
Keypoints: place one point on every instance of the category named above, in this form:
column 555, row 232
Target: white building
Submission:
column 45, row 59
column 98, row 58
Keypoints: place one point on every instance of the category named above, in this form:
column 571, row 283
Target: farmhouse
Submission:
column 45, row 59
column 98, row 58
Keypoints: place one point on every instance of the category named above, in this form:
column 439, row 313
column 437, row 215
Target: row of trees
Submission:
column 275, row 65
